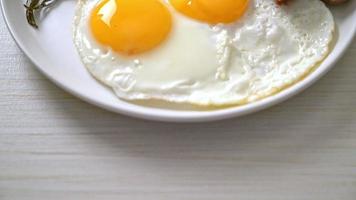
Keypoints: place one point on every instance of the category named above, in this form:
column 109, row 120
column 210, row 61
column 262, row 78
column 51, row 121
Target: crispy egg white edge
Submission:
column 309, row 70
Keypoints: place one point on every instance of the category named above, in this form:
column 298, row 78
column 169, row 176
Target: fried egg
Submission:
column 201, row 52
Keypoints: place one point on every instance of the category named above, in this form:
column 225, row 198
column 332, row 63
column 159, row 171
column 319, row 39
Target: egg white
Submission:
column 268, row 49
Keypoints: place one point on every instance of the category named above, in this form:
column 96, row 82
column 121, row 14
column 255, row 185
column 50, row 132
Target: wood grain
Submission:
column 54, row 146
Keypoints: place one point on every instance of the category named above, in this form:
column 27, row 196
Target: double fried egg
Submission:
column 202, row 52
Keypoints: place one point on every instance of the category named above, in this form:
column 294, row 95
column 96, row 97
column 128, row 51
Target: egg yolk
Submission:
column 212, row 11
column 130, row 26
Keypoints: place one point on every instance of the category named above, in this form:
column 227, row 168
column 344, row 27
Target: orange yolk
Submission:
column 130, row 26
column 212, row 11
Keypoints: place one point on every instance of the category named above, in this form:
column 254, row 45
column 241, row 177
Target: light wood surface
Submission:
column 54, row 146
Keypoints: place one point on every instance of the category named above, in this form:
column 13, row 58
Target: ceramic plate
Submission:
column 51, row 49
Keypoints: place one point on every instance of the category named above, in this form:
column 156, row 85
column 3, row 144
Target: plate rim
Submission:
column 156, row 114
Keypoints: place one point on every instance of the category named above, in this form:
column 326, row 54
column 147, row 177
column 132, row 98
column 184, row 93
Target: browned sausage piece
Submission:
column 334, row 2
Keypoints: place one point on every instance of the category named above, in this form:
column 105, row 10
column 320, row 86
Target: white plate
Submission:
column 52, row 51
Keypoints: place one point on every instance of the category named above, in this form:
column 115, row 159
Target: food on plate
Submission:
column 331, row 2
column 335, row 2
column 281, row 2
column 201, row 52
column 129, row 27
column 33, row 7
column 213, row 12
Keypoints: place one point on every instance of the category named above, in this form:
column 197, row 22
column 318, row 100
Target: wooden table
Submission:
column 55, row 146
